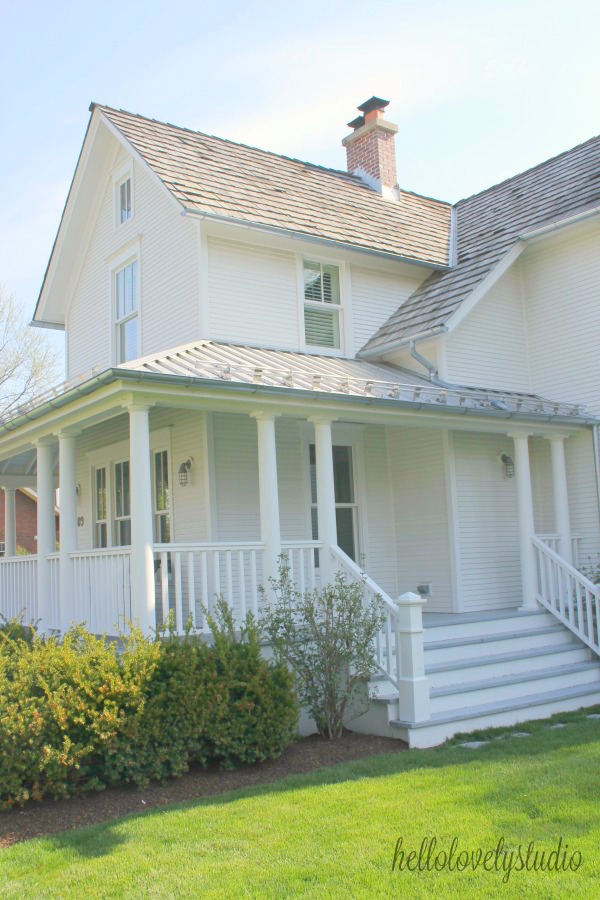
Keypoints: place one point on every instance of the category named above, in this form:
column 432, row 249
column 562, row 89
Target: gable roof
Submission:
column 227, row 180
column 490, row 223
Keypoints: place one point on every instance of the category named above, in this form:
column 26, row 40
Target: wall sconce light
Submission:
column 507, row 461
column 184, row 468
column 78, row 489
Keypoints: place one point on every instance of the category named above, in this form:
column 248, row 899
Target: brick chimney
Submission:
column 370, row 147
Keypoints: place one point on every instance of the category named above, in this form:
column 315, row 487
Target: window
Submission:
column 321, row 305
column 125, row 210
column 126, row 311
column 162, row 506
column 346, row 507
column 100, row 508
column 122, row 505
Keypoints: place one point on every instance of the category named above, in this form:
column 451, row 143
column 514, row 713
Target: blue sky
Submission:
column 480, row 90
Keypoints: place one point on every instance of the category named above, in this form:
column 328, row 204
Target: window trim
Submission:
column 342, row 308
column 107, row 457
column 128, row 254
column 156, row 513
column 120, row 176
column 115, row 518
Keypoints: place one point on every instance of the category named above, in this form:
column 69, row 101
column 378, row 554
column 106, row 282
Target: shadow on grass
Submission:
column 99, row 840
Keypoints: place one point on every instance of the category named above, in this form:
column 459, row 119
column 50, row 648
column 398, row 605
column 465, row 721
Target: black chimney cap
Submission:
column 357, row 123
column 373, row 103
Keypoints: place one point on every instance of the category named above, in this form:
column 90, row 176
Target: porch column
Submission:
column 10, row 522
column 325, row 495
column 562, row 519
column 143, row 601
column 270, row 530
column 526, row 522
column 46, row 532
column 68, row 525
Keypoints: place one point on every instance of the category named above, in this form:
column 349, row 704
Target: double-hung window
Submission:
column 100, row 508
column 162, row 518
column 322, row 308
column 126, row 311
column 122, row 523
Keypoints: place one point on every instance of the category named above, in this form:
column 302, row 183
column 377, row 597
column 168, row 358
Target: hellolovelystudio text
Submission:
column 433, row 858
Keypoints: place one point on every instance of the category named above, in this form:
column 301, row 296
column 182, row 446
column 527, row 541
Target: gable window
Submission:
column 125, row 207
column 321, row 305
column 122, row 525
column 126, row 312
column 162, row 517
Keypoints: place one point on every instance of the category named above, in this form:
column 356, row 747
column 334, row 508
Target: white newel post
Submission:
column 67, row 483
column 10, row 522
column 46, row 531
column 143, row 600
column 413, row 684
column 526, row 521
column 270, row 528
column 325, row 496
column 562, row 519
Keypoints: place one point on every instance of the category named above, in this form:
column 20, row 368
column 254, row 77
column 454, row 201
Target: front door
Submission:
column 346, row 507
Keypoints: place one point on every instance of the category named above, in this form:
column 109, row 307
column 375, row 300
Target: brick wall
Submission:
column 26, row 514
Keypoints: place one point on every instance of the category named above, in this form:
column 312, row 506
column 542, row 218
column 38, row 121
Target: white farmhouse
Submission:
column 267, row 356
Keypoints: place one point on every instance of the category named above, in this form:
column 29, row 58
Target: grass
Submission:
column 332, row 833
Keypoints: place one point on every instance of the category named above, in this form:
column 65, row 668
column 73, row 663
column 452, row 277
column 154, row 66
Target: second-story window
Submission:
column 321, row 305
column 124, row 197
column 126, row 312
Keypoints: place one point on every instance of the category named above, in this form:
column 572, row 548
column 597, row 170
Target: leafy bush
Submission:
column 327, row 637
column 83, row 713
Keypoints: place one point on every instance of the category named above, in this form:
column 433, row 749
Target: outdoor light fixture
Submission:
column 507, row 461
column 184, row 468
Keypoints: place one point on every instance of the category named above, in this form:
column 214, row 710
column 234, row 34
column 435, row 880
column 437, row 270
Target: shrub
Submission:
column 83, row 713
column 327, row 637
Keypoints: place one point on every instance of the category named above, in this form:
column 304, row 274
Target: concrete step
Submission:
column 442, row 726
column 510, row 687
column 474, row 646
column 494, row 665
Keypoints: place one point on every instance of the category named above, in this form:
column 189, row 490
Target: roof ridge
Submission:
column 540, row 165
column 348, row 175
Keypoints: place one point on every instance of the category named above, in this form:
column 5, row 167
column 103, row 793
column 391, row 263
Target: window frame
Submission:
column 99, row 523
column 128, row 254
column 342, row 307
column 116, row 519
column 157, row 514
column 120, row 176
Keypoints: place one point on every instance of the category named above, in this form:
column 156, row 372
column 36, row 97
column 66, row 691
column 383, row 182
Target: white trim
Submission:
column 119, row 177
column 346, row 348
column 453, row 521
column 484, row 286
column 125, row 256
column 210, row 477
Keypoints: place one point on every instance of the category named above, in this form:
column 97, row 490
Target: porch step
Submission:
column 441, row 726
column 441, row 628
column 471, row 647
column 466, row 695
column 512, row 662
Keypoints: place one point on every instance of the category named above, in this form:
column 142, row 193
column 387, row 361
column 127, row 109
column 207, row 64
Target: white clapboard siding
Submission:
column 236, row 477
column 376, row 296
column 541, row 485
column 489, row 347
column 168, row 276
column 487, row 523
column 253, row 295
column 378, row 512
column 421, row 513
column 292, row 469
column 561, row 280
column 583, row 498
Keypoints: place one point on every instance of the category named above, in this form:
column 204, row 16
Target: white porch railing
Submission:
column 53, row 596
column 553, row 541
column 301, row 560
column 102, row 589
column 18, row 588
column 568, row 594
column 387, row 653
column 189, row 576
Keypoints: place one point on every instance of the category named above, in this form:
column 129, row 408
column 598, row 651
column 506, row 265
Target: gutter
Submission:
column 376, row 352
column 561, row 223
column 301, row 236
column 112, row 375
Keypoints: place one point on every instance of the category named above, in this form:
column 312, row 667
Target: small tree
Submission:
column 28, row 363
column 327, row 637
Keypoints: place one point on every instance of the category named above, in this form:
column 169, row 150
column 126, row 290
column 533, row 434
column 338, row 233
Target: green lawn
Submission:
column 332, row 833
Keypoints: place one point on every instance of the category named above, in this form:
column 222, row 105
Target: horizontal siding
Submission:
column 375, row 297
column 236, row 477
column 168, row 277
column 583, row 497
column 421, row 515
column 487, row 523
column 489, row 347
column 253, row 295
column 561, row 277
column 541, row 485
column 292, row 479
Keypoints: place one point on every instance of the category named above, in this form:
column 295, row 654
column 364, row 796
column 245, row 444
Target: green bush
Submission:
column 83, row 713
